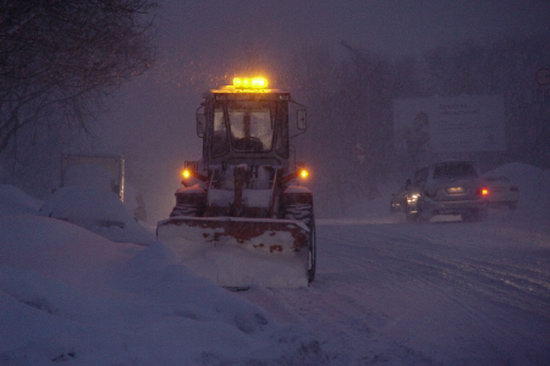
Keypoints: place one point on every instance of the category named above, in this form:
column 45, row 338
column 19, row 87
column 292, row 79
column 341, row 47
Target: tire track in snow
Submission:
column 520, row 285
column 334, row 310
column 344, row 326
column 443, row 266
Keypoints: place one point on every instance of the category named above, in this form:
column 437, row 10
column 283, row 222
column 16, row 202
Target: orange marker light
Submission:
column 238, row 82
column 484, row 192
column 186, row 173
column 304, row 173
column 259, row 82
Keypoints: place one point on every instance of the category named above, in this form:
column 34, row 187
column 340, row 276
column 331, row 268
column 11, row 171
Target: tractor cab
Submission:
column 245, row 123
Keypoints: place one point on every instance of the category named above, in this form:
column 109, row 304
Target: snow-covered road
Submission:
column 452, row 293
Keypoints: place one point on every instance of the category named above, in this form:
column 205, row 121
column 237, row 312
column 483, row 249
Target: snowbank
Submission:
column 533, row 183
column 67, row 294
column 98, row 211
column 14, row 201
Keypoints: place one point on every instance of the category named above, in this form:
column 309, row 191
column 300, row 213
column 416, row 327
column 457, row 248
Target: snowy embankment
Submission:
column 68, row 294
column 98, row 211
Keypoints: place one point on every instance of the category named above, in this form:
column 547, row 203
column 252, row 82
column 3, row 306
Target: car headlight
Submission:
column 413, row 198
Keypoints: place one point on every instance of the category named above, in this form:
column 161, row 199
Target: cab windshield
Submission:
column 251, row 126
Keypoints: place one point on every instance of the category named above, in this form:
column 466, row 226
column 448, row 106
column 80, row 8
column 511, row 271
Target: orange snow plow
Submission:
column 241, row 217
column 240, row 252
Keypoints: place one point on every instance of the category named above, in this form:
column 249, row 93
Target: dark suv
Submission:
column 446, row 188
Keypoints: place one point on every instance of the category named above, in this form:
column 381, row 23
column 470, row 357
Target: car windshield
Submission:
column 454, row 170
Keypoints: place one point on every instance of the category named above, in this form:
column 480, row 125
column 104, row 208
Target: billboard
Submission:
column 449, row 124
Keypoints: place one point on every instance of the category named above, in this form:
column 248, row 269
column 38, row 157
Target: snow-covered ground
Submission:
column 97, row 210
column 452, row 293
column 386, row 292
column 70, row 295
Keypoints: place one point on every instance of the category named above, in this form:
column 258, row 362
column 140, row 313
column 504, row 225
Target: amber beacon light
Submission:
column 258, row 82
column 186, row 173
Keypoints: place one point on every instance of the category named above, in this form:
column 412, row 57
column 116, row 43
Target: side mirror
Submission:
column 301, row 119
column 201, row 121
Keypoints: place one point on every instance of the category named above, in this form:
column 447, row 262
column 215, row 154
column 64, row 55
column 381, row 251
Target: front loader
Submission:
column 242, row 217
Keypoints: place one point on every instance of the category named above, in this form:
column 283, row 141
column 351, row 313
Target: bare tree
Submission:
column 58, row 58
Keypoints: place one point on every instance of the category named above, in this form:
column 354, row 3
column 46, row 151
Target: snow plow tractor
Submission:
column 243, row 216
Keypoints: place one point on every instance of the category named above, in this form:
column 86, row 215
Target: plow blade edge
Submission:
column 240, row 252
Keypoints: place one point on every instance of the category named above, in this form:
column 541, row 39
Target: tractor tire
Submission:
column 312, row 254
column 412, row 218
column 189, row 205
column 304, row 212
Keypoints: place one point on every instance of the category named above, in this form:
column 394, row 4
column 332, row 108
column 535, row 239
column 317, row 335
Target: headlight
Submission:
column 413, row 198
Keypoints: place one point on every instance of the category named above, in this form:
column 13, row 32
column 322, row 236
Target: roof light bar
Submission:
column 250, row 83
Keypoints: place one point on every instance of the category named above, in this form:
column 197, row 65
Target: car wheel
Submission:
column 412, row 217
column 417, row 217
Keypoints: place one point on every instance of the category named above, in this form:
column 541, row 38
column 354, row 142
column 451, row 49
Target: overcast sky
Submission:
column 209, row 39
column 390, row 26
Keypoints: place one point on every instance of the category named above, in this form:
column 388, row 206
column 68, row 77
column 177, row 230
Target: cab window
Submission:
column 281, row 144
column 220, row 143
column 251, row 125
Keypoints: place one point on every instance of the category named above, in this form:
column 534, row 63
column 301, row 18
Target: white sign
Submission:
column 457, row 124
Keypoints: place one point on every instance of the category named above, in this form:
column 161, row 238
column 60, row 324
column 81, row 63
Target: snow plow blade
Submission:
column 240, row 252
